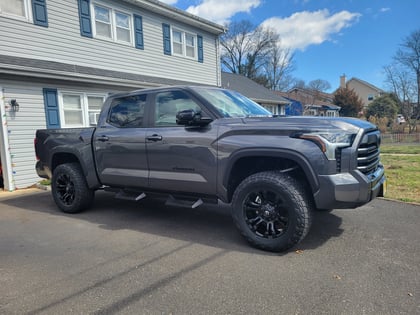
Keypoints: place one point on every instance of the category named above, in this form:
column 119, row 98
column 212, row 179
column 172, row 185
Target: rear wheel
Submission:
column 272, row 211
column 69, row 188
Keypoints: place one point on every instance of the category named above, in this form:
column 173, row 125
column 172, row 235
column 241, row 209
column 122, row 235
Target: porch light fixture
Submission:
column 15, row 105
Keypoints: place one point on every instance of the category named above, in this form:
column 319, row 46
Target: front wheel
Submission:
column 272, row 211
column 69, row 188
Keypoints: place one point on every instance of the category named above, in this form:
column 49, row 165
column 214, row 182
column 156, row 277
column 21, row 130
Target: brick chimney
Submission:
column 343, row 81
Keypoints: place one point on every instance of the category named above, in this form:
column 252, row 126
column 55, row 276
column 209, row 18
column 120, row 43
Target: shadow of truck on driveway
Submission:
column 208, row 224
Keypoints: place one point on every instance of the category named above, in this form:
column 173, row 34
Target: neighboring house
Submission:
column 59, row 59
column 366, row 91
column 258, row 93
column 314, row 103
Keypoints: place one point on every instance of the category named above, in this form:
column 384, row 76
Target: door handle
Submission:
column 102, row 138
column 154, row 138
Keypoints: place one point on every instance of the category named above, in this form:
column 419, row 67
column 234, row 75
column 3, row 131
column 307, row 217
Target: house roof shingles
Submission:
column 251, row 89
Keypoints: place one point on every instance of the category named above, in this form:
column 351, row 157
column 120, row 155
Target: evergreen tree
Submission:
column 350, row 103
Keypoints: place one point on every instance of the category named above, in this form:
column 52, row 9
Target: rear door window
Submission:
column 127, row 112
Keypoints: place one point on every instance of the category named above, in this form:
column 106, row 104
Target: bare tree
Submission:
column 402, row 84
column 235, row 44
column 319, row 85
column 245, row 48
column 299, row 83
column 403, row 76
column 409, row 55
column 278, row 68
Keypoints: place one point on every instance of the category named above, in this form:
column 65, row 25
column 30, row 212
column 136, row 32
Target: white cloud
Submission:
column 171, row 2
column 384, row 9
column 220, row 11
column 310, row 28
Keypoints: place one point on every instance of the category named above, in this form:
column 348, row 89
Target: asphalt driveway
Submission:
column 130, row 258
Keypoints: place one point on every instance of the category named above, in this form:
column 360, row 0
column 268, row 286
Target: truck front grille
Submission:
column 368, row 152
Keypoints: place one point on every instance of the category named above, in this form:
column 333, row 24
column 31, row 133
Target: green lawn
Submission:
column 402, row 169
column 401, row 148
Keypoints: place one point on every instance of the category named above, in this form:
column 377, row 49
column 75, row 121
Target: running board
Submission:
column 171, row 201
column 129, row 196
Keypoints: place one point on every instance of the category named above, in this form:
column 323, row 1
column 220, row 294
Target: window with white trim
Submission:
column 112, row 24
column 80, row 109
column 15, row 8
column 184, row 43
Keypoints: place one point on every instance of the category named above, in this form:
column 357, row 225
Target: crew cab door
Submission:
column 119, row 144
column 181, row 159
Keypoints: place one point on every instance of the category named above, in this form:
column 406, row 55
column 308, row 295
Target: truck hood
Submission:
column 303, row 123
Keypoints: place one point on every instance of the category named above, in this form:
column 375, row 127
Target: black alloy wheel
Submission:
column 272, row 210
column 69, row 188
column 266, row 213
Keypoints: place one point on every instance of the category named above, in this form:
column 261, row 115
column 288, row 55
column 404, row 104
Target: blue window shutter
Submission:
column 200, row 48
column 51, row 108
column 166, row 39
column 39, row 10
column 84, row 18
column 138, row 31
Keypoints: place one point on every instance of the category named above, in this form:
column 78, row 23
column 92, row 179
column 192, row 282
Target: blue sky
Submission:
column 329, row 37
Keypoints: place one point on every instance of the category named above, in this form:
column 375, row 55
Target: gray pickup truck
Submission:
column 195, row 145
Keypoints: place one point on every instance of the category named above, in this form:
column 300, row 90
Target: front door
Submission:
column 120, row 148
column 181, row 159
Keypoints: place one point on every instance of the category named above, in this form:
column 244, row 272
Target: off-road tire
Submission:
column 272, row 211
column 69, row 188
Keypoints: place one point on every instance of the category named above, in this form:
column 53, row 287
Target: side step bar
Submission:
column 129, row 196
column 171, row 201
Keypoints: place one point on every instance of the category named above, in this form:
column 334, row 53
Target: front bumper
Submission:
column 349, row 190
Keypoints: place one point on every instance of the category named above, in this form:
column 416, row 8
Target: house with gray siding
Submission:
column 59, row 60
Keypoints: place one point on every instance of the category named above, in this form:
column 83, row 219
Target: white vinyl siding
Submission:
column 62, row 42
column 21, row 128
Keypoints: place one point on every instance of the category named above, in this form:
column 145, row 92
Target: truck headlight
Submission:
column 328, row 142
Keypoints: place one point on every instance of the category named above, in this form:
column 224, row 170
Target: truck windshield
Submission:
column 233, row 104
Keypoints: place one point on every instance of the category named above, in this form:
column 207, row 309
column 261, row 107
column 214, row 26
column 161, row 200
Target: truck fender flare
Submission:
column 89, row 169
column 276, row 153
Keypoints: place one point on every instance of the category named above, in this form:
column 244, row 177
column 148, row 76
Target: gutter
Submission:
column 179, row 15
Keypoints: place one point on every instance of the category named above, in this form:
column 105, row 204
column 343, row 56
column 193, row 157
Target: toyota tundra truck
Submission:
column 194, row 145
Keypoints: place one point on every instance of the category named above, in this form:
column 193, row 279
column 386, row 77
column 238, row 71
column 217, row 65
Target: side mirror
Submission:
column 190, row 117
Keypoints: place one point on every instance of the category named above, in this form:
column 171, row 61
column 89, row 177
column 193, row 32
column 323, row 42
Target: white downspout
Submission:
column 218, row 63
column 6, row 159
